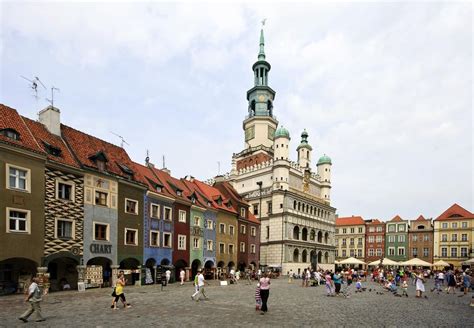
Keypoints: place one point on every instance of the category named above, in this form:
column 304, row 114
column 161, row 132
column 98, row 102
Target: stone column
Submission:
column 114, row 273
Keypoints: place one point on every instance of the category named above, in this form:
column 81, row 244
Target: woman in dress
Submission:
column 264, row 291
column 420, row 285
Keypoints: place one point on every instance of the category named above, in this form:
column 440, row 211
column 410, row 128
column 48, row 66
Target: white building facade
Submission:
column 291, row 199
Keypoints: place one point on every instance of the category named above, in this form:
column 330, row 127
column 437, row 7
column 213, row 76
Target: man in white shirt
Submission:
column 201, row 282
column 34, row 297
column 181, row 276
column 168, row 276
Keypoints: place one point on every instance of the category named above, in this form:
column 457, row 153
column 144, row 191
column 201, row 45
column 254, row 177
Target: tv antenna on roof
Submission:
column 121, row 138
column 34, row 85
column 218, row 168
column 51, row 101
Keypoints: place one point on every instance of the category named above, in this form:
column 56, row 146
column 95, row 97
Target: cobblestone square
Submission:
column 290, row 305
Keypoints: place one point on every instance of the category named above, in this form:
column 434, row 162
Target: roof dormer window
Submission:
column 179, row 192
column 126, row 170
column 100, row 160
column 10, row 133
column 52, row 150
column 100, row 165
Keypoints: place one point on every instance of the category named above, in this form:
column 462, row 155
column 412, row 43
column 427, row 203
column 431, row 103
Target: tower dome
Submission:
column 304, row 141
column 282, row 132
column 325, row 159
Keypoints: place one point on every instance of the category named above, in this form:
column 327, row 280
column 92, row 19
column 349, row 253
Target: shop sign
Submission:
column 100, row 249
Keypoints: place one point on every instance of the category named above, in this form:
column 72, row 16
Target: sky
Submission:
column 384, row 89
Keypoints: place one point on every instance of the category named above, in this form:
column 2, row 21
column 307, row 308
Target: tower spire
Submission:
column 261, row 53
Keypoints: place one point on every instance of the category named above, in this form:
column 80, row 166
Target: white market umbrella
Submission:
column 385, row 261
column 351, row 260
column 416, row 262
column 471, row 261
column 441, row 263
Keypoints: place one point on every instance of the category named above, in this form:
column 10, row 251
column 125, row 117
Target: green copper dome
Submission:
column 325, row 160
column 282, row 132
column 304, row 141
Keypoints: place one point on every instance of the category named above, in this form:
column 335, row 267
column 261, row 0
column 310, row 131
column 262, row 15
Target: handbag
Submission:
column 113, row 293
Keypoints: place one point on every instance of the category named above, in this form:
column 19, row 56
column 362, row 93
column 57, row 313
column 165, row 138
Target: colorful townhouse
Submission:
column 396, row 239
column 63, row 202
column 454, row 236
column 180, row 217
column 350, row 236
column 248, row 227
column 113, row 208
column 420, row 239
column 226, row 229
column 22, row 197
column 158, row 222
column 374, row 240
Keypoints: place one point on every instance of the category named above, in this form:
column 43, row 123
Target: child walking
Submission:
column 258, row 299
column 404, row 288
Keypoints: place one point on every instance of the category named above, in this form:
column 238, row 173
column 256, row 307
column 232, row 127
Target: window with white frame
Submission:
column 401, row 251
column 131, row 206
column 361, row 229
column 454, row 225
column 444, row 225
column 401, row 238
column 210, row 225
column 464, row 237
column 101, row 198
column 371, row 252
column 352, row 230
column 18, row 220
column 359, row 253
column 379, row 252
column 391, row 239
column 414, row 238
column 131, row 237
column 195, row 242
column 197, row 220
column 454, row 252
column 414, row 251
column 221, row 248
column 379, row 229
column 167, row 213
column 242, row 212
column 167, row 240
column 426, row 237
column 378, row 239
column 444, row 251
column 101, row 231
column 344, row 253
column 444, row 237
column 231, row 230
column 243, row 229
column 154, row 238
column 18, row 178
column 401, row 227
column 359, row 241
column 182, row 216
column 154, row 210
column 64, row 228
column 351, row 253
column 210, row 245
column 454, row 237
column 182, row 242
column 64, row 190
column 371, row 229
column 463, row 252
column 221, row 228
column 253, row 231
column 391, row 251
column 426, row 252
column 231, row 249
column 252, row 249
column 344, row 230
column 464, row 225
column 242, row 247
column 391, row 227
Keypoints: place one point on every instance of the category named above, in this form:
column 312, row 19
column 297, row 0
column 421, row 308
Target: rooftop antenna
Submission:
column 147, row 159
column 164, row 163
column 51, row 101
column 34, row 85
column 263, row 21
column 218, row 168
column 121, row 138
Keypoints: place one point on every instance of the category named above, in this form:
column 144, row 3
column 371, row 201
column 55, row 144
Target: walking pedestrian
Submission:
column 405, row 288
column 329, row 285
column 264, row 292
column 201, row 282
column 452, row 282
column 337, row 282
column 168, row 276
column 258, row 298
column 466, row 280
column 420, row 285
column 182, row 274
column 119, row 294
column 33, row 296
column 196, row 286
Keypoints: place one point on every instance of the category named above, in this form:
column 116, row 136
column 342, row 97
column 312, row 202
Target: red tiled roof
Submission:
column 10, row 119
column 453, row 213
column 201, row 200
column 421, row 218
column 228, row 191
column 151, row 180
column 351, row 220
column 213, row 194
column 84, row 146
column 171, row 184
column 42, row 136
column 253, row 218
column 397, row 218
column 376, row 221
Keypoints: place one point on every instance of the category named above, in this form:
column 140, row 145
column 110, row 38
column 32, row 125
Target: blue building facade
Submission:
column 210, row 224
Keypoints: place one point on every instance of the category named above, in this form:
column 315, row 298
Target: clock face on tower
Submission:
column 271, row 133
column 261, row 98
column 250, row 133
